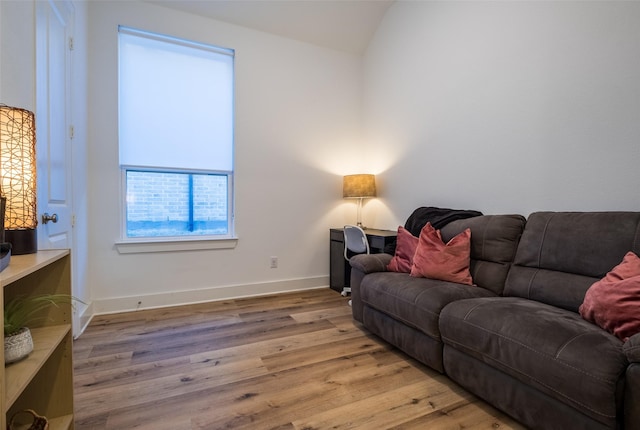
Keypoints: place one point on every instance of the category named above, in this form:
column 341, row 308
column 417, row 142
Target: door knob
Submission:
column 46, row 218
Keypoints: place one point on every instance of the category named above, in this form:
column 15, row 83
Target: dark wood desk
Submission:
column 339, row 268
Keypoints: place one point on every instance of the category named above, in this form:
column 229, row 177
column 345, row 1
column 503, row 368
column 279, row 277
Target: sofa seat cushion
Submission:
column 549, row 348
column 416, row 302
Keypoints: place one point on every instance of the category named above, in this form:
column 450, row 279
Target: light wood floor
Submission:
column 291, row 361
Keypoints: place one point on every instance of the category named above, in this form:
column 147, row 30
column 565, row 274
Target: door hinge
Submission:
column 72, row 131
column 71, row 44
column 73, row 220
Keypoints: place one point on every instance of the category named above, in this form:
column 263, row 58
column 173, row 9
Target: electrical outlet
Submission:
column 274, row 262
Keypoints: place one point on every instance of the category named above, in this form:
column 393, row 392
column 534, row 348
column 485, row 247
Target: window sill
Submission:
column 173, row 245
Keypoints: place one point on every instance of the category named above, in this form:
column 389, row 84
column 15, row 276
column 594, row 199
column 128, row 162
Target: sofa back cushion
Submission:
column 561, row 254
column 494, row 240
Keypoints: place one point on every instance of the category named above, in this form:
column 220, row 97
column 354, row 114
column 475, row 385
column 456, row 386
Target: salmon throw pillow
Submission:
column 406, row 245
column 444, row 261
column 613, row 302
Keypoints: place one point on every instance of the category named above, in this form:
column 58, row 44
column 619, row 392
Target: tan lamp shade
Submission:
column 359, row 186
column 18, row 176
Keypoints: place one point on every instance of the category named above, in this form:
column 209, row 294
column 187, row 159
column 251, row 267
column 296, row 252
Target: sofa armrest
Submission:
column 361, row 265
column 370, row 263
column 631, row 348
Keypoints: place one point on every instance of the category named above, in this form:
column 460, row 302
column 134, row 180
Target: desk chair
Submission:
column 355, row 242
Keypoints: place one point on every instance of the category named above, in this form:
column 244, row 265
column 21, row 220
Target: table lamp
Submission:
column 359, row 187
column 18, row 178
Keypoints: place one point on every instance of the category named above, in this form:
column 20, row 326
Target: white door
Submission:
column 54, row 132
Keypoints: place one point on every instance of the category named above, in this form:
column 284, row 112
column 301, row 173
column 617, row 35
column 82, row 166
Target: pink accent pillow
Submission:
column 447, row 262
column 613, row 302
column 406, row 245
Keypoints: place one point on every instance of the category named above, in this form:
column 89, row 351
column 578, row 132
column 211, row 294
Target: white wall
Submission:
column 505, row 107
column 17, row 54
column 297, row 116
column 496, row 106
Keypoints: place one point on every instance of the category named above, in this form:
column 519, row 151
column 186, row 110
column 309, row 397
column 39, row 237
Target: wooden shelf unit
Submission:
column 44, row 380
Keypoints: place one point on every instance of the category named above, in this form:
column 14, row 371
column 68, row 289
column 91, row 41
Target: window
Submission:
column 176, row 204
column 175, row 137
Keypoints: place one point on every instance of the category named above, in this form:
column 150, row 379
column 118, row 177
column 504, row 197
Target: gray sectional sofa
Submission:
column 515, row 338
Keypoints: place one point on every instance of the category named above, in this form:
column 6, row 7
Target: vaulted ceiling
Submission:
column 345, row 25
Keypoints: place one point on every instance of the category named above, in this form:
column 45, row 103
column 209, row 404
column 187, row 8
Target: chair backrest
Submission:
column 355, row 240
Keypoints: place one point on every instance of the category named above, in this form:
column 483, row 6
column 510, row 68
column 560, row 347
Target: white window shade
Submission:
column 178, row 116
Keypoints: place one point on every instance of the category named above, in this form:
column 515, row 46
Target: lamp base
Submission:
column 23, row 241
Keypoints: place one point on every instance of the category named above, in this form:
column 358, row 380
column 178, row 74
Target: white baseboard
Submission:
column 177, row 298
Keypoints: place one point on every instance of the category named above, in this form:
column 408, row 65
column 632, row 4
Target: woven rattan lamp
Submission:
column 361, row 186
column 18, row 178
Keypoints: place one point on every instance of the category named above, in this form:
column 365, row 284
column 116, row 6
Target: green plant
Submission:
column 21, row 311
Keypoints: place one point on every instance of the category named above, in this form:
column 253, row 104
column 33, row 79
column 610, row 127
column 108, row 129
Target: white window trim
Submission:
column 137, row 245
column 127, row 245
column 175, row 244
